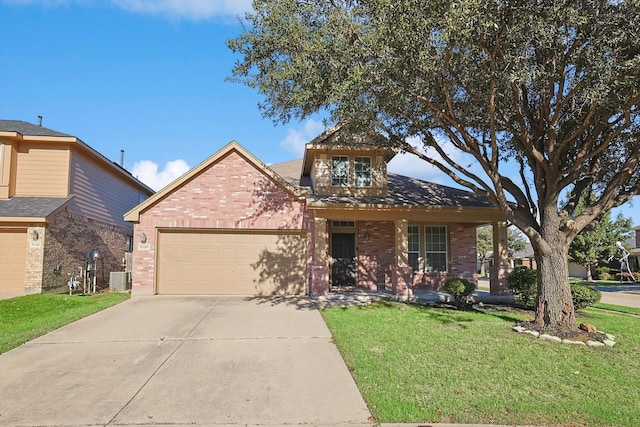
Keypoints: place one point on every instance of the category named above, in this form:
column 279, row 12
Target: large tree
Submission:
column 549, row 85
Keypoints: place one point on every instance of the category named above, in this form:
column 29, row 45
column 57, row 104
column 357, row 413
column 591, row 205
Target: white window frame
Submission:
column 427, row 265
column 341, row 180
column 363, row 171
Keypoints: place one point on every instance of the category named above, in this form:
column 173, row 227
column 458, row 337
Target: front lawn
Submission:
column 25, row 318
column 421, row 364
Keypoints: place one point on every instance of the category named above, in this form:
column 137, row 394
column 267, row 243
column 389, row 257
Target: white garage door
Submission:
column 206, row 262
column 13, row 255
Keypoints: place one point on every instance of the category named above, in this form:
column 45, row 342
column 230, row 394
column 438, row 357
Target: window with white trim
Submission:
column 339, row 171
column 435, row 253
column 414, row 246
column 362, row 166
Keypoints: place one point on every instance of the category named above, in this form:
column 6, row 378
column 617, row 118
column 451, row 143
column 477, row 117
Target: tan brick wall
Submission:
column 230, row 194
column 36, row 241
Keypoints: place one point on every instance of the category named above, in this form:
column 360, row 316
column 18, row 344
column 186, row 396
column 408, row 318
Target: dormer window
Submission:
column 363, row 171
column 339, row 171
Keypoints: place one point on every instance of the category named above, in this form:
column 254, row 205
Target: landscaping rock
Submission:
column 595, row 343
column 573, row 342
column 519, row 328
column 588, row 327
column 550, row 338
column 609, row 343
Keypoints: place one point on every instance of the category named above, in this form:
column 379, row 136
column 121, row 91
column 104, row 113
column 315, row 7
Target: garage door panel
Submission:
column 13, row 254
column 230, row 263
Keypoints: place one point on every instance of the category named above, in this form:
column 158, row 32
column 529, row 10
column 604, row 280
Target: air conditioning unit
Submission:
column 118, row 281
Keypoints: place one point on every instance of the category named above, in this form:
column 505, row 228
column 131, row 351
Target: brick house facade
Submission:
column 335, row 219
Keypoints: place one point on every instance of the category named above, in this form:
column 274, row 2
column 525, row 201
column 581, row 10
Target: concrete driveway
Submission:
column 183, row 360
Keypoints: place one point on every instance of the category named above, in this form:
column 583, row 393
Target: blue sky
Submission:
column 148, row 77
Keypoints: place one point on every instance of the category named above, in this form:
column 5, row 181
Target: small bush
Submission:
column 460, row 289
column 584, row 296
column 523, row 283
column 604, row 273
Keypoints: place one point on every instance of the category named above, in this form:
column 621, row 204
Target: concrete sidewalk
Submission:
column 183, row 360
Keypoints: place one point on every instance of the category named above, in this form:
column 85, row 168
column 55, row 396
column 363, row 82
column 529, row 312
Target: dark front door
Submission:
column 343, row 253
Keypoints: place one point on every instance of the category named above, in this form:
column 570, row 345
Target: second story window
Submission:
column 363, row 171
column 339, row 171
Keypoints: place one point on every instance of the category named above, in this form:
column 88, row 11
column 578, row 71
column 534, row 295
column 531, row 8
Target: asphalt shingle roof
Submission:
column 401, row 191
column 26, row 128
column 37, row 207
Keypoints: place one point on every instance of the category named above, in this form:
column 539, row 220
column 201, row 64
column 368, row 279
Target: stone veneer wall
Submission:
column 68, row 237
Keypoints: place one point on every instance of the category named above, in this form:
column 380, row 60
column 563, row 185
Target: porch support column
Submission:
column 401, row 273
column 500, row 268
column 320, row 265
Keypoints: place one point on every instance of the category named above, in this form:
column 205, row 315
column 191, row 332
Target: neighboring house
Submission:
column 59, row 199
column 335, row 219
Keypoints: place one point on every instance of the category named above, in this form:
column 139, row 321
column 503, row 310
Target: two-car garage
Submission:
column 230, row 262
column 229, row 226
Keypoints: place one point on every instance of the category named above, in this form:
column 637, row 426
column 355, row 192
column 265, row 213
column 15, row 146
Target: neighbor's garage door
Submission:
column 13, row 255
column 209, row 262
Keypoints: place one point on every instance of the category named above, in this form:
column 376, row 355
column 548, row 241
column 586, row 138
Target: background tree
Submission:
column 484, row 246
column 597, row 241
column 550, row 86
column 516, row 241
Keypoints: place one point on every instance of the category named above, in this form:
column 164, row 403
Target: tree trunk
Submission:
column 554, row 306
column 589, row 276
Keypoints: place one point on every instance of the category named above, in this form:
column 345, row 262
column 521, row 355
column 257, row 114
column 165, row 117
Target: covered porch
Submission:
column 400, row 252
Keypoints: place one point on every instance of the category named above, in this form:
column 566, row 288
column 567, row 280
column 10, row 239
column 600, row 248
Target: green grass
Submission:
column 25, row 318
column 420, row 364
column 618, row 308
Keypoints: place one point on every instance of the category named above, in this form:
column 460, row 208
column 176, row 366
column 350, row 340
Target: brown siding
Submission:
column 42, row 170
column 99, row 193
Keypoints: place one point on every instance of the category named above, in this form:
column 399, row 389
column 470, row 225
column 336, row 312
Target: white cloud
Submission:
column 196, row 10
column 410, row 165
column 147, row 172
column 296, row 139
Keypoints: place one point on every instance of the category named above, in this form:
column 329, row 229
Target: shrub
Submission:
column 460, row 289
column 523, row 283
column 604, row 273
column 584, row 296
